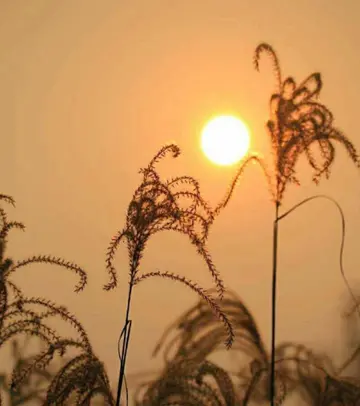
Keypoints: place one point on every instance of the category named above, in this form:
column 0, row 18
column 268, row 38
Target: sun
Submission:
column 225, row 140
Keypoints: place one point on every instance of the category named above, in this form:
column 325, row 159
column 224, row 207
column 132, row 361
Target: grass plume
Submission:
column 171, row 205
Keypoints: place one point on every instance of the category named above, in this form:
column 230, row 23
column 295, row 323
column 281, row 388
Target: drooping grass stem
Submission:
column 273, row 304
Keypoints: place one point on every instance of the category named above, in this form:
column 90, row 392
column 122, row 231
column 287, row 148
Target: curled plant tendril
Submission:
column 297, row 122
column 256, row 160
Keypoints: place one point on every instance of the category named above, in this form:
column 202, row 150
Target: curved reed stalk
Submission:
column 156, row 206
column 297, row 122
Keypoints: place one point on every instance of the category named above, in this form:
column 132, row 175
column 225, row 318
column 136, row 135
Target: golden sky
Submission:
column 90, row 90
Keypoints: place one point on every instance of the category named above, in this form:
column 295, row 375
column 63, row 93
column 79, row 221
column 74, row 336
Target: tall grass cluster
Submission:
column 67, row 371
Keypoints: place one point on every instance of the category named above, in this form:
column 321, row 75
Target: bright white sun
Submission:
column 225, row 140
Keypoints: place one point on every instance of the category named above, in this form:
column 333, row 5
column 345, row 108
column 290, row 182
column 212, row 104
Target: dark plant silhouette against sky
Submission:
column 85, row 99
column 83, row 376
column 297, row 122
column 159, row 206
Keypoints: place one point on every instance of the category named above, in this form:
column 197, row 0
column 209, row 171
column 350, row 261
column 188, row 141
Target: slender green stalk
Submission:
column 273, row 305
column 126, row 332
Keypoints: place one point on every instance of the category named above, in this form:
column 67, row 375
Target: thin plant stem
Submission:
column 273, row 305
column 126, row 332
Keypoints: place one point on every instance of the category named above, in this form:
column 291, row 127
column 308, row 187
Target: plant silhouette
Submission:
column 34, row 387
column 189, row 378
column 156, row 206
column 81, row 378
column 298, row 122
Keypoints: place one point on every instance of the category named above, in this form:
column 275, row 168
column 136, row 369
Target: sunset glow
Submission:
column 225, row 140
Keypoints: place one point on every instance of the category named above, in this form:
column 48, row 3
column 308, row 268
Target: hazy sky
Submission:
column 90, row 90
